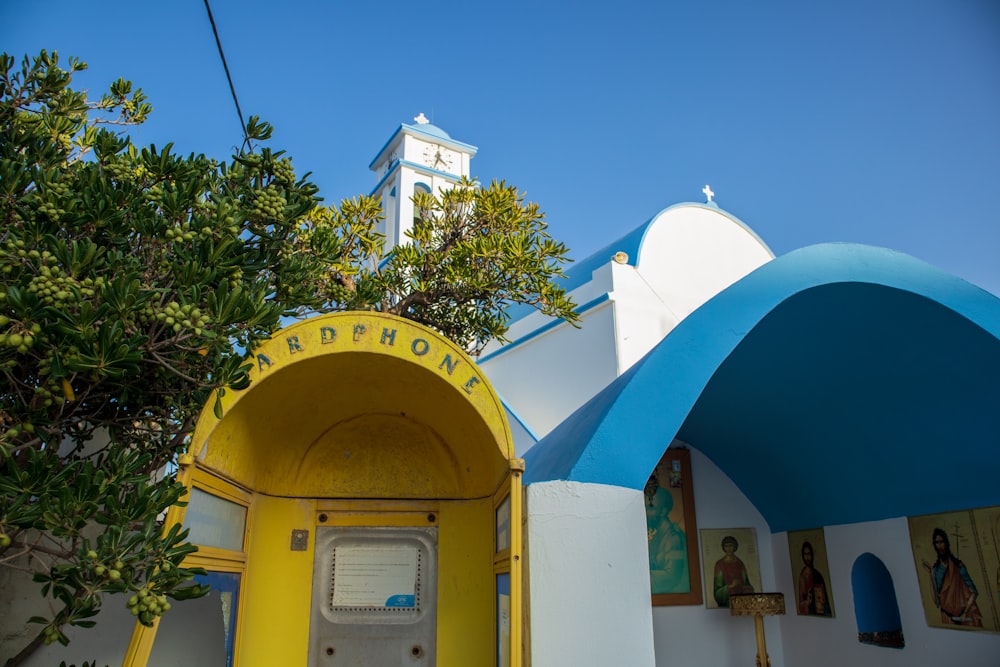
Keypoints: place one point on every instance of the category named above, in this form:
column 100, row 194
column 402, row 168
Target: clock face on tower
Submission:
column 437, row 157
column 389, row 161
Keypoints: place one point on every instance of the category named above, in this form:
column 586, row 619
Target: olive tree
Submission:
column 470, row 253
column 135, row 284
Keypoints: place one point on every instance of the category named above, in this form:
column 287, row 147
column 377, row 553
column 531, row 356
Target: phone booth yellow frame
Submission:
column 359, row 421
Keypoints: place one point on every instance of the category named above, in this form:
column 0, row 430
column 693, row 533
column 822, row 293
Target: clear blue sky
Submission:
column 872, row 121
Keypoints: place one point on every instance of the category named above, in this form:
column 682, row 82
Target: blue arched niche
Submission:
column 875, row 608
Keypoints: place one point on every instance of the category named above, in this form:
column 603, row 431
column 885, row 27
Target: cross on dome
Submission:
column 707, row 190
column 421, row 119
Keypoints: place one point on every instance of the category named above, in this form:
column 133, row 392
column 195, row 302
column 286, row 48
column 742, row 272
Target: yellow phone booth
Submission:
column 358, row 504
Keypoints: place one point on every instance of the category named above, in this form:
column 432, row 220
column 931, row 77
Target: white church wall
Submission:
column 404, row 205
column 548, row 377
column 693, row 635
column 390, row 204
column 588, row 573
column 597, row 286
column 690, row 253
column 104, row 644
column 642, row 319
column 412, row 147
column 693, row 252
column 830, row 642
column 440, row 184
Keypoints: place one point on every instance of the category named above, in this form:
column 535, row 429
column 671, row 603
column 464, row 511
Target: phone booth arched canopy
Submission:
column 360, row 499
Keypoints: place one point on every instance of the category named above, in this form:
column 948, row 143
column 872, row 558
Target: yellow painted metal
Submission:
column 220, row 560
column 466, row 588
column 360, row 405
column 141, row 643
column 277, row 585
column 510, row 561
column 516, row 563
column 371, row 420
column 222, row 488
column 277, row 590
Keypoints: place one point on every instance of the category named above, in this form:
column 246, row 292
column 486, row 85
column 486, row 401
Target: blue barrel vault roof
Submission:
column 836, row 384
column 581, row 271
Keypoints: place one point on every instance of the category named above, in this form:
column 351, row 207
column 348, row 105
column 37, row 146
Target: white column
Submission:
column 588, row 572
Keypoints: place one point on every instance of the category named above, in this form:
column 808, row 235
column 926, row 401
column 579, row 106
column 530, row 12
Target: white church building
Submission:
column 840, row 389
column 723, row 422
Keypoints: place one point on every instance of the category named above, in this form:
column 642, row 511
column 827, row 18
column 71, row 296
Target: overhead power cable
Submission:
column 229, row 77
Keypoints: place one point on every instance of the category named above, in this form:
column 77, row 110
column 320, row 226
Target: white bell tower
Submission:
column 417, row 157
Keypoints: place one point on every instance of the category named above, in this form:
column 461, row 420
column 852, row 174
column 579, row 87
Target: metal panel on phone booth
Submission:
column 363, row 441
column 374, row 596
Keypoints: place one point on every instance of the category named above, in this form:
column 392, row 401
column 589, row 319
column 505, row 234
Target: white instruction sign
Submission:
column 375, row 576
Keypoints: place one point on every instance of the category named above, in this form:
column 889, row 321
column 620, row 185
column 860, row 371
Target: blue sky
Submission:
column 871, row 121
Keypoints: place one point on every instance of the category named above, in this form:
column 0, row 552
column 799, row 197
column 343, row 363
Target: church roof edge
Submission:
column 437, row 134
column 581, row 270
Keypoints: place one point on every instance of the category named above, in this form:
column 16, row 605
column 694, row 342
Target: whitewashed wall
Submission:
column 642, row 318
column 689, row 253
column 550, row 376
column 588, row 573
column 690, row 636
column 105, row 644
column 692, row 252
column 824, row 642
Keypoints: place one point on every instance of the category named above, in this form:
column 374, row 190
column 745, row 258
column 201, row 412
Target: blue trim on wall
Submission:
column 415, row 130
column 651, row 404
column 582, row 271
column 392, row 138
column 226, row 582
column 517, row 418
column 437, row 138
column 427, row 171
column 548, row 326
column 424, row 169
column 385, row 177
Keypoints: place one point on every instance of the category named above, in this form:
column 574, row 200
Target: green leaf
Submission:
column 100, row 249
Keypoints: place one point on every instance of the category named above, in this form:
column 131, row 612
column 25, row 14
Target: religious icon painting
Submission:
column 731, row 564
column 987, row 522
column 671, row 532
column 955, row 554
column 810, row 573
